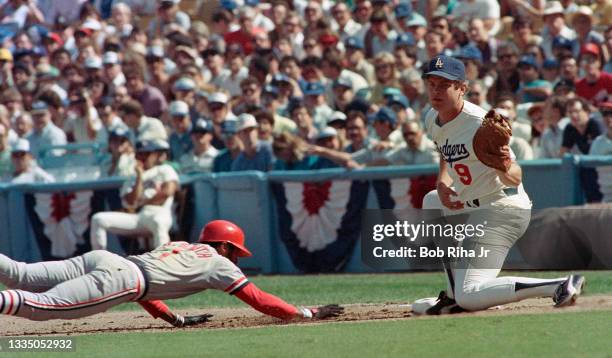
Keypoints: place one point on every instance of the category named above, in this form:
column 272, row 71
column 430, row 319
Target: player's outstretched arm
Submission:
column 273, row 306
column 158, row 309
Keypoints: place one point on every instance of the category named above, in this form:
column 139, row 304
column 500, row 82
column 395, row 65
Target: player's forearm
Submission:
column 269, row 304
column 132, row 197
column 340, row 158
column 443, row 176
column 167, row 190
column 513, row 177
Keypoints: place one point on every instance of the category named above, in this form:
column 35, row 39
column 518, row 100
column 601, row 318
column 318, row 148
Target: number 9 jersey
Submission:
column 471, row 178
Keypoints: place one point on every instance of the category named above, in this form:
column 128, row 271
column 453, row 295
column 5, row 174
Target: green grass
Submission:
column 528, row 335
column 545, row 335
column 358, row 288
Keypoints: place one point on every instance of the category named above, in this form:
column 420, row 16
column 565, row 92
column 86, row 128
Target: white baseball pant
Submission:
column 153, row 220
column 473, row 282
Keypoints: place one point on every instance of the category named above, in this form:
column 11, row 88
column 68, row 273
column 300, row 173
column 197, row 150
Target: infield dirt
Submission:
column 228, row 318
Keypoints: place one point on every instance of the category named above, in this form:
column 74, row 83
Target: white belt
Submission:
column 488, row 199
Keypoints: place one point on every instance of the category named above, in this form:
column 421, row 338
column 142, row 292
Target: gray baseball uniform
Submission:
column 93, row 283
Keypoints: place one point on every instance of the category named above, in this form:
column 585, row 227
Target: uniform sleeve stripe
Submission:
column 239, row 282
column 17, row 304
column 240, row 287
column 10, row 307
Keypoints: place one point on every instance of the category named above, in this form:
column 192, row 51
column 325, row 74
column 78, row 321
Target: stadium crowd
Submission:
column 231, row 85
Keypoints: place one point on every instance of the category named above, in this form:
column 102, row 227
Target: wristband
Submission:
column 306, row 313
column 180, row 321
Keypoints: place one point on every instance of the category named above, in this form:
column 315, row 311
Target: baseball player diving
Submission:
column 93, row 283
column 479, row 179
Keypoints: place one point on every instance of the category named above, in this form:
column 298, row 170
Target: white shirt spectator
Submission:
column 521, row 148
column 232, row 82
column 521, row 130
column 203, row 163
column 547, row 39
column 426, row 153
column 482, row 9
column 34, row 174
column 78, row 126
column 551, row 139
column 602, row 145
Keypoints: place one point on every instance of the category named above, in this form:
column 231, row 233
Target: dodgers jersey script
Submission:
column 179, row 268
column 471, row 178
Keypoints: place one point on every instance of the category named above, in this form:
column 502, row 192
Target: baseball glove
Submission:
column 491, row 141
column 191, row 320
column 327, row 311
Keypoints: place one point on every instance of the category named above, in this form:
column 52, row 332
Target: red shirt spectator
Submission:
column 245, row 37
column 596, row 85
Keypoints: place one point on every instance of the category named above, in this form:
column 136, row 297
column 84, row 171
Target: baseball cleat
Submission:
column 442, row 305
column 567, row 292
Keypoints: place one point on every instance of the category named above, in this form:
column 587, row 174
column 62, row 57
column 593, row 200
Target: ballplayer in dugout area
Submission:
column 479, row 179
column 93, row 283
column 151, row 193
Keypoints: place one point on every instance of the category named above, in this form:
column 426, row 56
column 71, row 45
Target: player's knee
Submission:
column 432, row 200
column 469, row 301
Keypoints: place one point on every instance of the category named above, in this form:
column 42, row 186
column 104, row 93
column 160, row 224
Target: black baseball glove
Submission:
column 191, row 320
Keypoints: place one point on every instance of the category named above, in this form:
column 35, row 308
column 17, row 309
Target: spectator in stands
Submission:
column 314, row 100
column 233, row 147
column 337, row 120
column 151, row 193
column 486, row 10
column 523, row 33
column 153, row 101
column 485, row 44
column 265, row 125
column 143, row 127
column 343, row 94
column 6, row 68
column 355, row 59
column 23, row 125
column 300, row 115
column 333, row 69
column 552, row 137
column 417, row 149
column 344, row 25
column 472, row 60
column 269, row 100
column 602, row 145
column 44, row 133
column 256, row 155
column 25, row 168
column 577, row 138
column 507, row 73
column 608, row 42
column 386, row 76
column 113, row 73
column 531, row 88
column 219, row 112
column 582, row 23
column 109, row 118
column 6, row 167
column 82, row 123
column 168, row 13
column 356, row 132
column 550, row 71
column 477, row 94
column 554, row 19
column 200, row 158
column 596, row 85
column 245, row 36
column 521, row 127
column 12, row 99
column 434, row 43
column 122, row 159
column 250, row 98
column 180, row 139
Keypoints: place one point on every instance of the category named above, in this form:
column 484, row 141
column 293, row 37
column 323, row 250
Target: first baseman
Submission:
column 93, row 283
column 493, row 196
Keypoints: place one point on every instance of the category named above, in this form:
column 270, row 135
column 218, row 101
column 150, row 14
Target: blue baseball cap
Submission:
column 560, row 41
column 184, row 84
column 229, row 4
column 280, row 77
column 391, row 91
column 446, row 67
column 402, row 10
column 314, row 89
column 405, row 39
column 550, row 64
column 120, row 132
column 528, row 60
column 398, row 99
column 386, row 114
column 202, row 126
column 39, row 107
column 469, row 52
column 354, row 42
column 251, row 3
column 229, row 126
column 270, row 89
column 415, row 19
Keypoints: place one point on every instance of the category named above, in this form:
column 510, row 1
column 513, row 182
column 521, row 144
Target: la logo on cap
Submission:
column 439, row 63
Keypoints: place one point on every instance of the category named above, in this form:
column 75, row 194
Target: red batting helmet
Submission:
column 225, row 231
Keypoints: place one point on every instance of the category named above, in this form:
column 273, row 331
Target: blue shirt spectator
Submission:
column 45, row 133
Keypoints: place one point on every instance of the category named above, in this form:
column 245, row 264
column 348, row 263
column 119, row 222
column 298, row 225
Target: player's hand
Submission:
column 191, row 320
column 327, row 311
column 445, row 193
column 139, row 168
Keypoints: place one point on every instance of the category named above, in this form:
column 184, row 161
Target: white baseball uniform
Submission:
column 151, row 219
column 504, row 212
